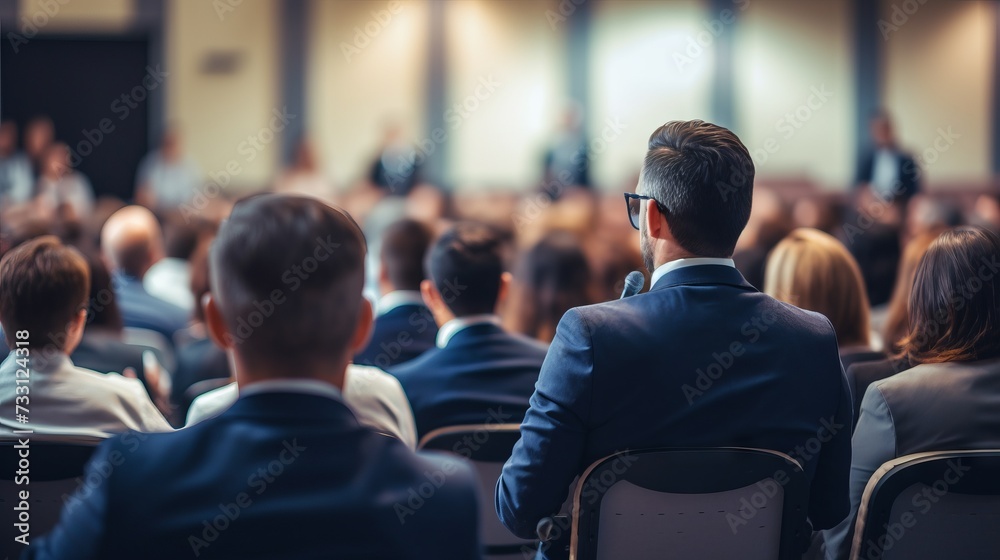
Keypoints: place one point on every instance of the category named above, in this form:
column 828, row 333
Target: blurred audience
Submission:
column 169, row 278
column 43, row 301
column 478, row 373
column 950, row 399
column 812, row 270
column 39, row 135
column 167, row 177
column 131, row 242
column 897, row 319
column 404, row 327
column 60, row 189
column 550, row 278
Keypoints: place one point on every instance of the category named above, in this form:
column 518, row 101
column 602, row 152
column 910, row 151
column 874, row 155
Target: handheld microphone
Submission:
column 633, row 283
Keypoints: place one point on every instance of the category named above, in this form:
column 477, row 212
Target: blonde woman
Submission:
column 814, row 271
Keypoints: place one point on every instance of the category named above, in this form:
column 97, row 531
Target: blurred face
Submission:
column 8, row 138
column 881, row 130
column 37, row 137
column 57, row 160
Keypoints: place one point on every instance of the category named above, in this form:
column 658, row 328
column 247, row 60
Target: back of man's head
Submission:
column 131, row 241
column 404, row 246
column 287, row 275
column 466, row 264
column 43, row 287
column 703, row 175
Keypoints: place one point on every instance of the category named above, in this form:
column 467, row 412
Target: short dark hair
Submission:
column 955, row 303
column 43, row 286
column 287, row 273
column 404, row 246
column 465, row 264
column 703, row 176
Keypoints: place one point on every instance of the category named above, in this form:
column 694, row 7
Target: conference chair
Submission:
column 691, row 503
column 162, row 347
column 488, row 447
column 53, row 466
column 931, row 505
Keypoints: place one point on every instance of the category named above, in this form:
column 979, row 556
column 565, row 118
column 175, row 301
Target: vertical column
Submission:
column 294, row 49
column 151, row 19
column 578, row 36
column 995, row 127
column 436, row 165
column 867, row 69
column 722, row 102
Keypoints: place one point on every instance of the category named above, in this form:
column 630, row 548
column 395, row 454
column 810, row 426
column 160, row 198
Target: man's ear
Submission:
column 505, row 280
column 432, row 299
column 654, row 220
column 363, row 330
column 217, row 329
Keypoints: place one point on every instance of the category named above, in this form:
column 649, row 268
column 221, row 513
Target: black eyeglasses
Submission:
column 633, row 204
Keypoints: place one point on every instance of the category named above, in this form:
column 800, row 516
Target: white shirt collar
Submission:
column 303, row 386
column 670, row 266
column 398, row 298
column 458, row 324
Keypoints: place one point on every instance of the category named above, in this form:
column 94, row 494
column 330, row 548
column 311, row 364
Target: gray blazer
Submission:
column 931, row 407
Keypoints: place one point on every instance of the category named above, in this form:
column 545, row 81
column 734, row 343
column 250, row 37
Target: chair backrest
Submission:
column 161, row 346
column 931, row 505
column 488, row 447
column 691, row 503
column 54, row 470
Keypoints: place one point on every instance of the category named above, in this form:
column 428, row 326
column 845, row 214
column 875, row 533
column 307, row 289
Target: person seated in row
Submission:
column 44, row 286
column 950, row 400
column 811, row 270
column 404, row 327
column 287, row 471
column 478, row 373
column 700, row 360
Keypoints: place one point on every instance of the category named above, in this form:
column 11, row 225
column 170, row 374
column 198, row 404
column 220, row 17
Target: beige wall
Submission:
column 226, row 119
column 939, row 66
column 76, row 15
column 794, row 90
column 642, row 76
column 367, row 64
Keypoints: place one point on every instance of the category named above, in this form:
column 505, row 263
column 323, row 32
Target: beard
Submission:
column 646, row 248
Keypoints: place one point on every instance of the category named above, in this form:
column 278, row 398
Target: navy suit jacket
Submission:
column 483, row 375
column 399, row 335
column 701, row 360
column 908, row 174
column 278, row 475
column 142, row 310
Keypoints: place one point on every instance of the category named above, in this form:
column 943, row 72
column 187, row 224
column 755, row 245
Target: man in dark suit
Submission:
column 887, row 171
column 287, row 472
column 701, row 360
column 478, row 373
column 404, row 327
column 132, row 242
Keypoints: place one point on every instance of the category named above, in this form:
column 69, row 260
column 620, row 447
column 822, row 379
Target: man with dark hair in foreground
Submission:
column 287, row 472
column 701, row 360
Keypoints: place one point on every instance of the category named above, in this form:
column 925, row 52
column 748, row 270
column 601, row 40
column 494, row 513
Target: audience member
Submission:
column 39, row 135
column 16, row 180
column 897, row 318
column 404, row 327
column 812, row 270
column 305, row 176
column 167, row 178
column 132, row 243
column 198, row 357
column 43, row 301
column 769, row 224
column 60, row 186
column 950, row 399
column 170, row 277
column 478, row 373
column 551, row 278
column 290, row 414
column 630, row 374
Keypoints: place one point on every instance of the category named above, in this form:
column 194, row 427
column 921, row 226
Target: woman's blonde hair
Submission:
column 812, row 270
